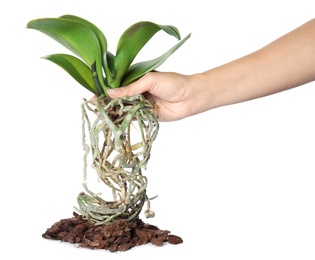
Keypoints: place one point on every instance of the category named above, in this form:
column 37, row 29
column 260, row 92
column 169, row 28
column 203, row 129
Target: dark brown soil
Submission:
column 117, row 236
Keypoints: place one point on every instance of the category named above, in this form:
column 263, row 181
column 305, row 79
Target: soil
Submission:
column 116, row 236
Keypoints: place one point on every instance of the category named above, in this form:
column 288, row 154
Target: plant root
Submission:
column 117, row 157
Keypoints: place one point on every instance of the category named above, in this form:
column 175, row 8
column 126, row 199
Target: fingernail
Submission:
column 112, row 92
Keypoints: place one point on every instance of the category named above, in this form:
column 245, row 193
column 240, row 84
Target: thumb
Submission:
column 122, row 92
column 116, row 92
column 138, row 87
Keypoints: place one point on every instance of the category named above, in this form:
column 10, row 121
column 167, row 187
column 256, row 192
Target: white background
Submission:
column 236, row 182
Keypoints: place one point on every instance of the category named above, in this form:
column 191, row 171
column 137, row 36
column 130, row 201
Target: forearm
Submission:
column 283, row 64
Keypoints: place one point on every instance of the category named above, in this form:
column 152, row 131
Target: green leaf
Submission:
column 132, row 41
column 137, row 70
column 101, row 38
column 76, row 68
column 76, row 36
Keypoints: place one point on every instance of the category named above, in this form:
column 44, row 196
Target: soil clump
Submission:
column 117, row 236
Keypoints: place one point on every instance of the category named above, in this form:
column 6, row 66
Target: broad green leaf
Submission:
column 137, row 70
column 132, row 41
column 101, row 38
column 76, row 68
column 76, row 36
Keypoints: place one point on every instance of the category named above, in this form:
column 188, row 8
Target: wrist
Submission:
column 205, row 92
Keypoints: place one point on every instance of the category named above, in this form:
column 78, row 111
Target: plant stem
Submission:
column 96, row 80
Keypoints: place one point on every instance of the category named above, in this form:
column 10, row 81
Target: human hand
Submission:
column 169, row 91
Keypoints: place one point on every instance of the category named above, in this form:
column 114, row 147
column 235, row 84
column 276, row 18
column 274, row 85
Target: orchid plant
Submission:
column 115, row 157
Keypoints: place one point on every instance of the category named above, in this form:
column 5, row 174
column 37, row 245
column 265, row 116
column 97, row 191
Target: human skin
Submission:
column 285, row 63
